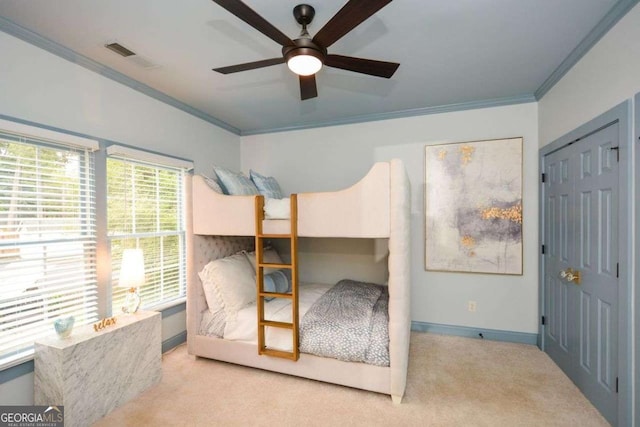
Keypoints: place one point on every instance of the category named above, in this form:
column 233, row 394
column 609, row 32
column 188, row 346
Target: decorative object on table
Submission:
column 64, row 326
column 131, row 277
column 473, row 206
column 107, row 321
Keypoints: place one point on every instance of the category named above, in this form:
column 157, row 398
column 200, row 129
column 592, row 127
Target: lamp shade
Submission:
column 131, row 269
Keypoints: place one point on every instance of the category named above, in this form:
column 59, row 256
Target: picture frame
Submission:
column 473, row 207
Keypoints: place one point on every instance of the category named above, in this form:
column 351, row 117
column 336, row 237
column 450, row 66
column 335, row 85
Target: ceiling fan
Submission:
column 305, row 56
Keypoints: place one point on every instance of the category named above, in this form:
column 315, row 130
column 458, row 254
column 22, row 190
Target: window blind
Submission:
column 128, row 153
column 145, row 206
column 47, row 240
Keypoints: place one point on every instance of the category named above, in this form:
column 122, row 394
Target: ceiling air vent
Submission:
column 119, row 49
column 131, row 56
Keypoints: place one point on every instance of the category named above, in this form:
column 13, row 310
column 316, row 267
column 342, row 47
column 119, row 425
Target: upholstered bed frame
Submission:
column 376, row 207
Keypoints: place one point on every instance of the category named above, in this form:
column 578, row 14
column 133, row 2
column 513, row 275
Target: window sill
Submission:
column 167, row 306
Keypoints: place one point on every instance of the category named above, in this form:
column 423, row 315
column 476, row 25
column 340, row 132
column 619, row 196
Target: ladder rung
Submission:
column 275, row 295
column 278, row 353
column 274, row 236
column 282, row 325
column 271, row 265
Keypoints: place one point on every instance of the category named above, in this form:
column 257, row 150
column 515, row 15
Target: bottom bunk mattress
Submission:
column 347, row 321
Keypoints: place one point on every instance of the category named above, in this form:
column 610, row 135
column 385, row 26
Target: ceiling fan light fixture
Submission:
column 305, row 58
column 304, row 65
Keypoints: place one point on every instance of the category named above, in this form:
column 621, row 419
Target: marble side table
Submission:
column 91, row 373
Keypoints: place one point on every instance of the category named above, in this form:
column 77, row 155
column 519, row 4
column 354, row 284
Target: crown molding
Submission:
column 610, row 19
column 449, row 108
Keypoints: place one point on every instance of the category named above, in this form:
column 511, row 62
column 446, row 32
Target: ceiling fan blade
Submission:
column 249, row 66
column 364, row 66
column 350, row 16
column 249, row 16
column 308, row 88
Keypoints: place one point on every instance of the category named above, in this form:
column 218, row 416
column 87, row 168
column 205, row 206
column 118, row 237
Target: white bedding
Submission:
column 245, row 326
column 277, row 208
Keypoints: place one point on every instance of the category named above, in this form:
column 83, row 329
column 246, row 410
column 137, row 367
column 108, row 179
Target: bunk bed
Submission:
column 378, row 206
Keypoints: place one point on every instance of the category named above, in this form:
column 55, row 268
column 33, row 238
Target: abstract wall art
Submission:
column 473, row 207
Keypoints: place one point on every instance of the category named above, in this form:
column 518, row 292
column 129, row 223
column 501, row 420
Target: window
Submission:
column 145, row 210
column 47, row 237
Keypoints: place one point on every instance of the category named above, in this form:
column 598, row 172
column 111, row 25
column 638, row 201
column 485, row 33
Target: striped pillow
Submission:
column 235, row 183
column 267, row 185
column 278, row 282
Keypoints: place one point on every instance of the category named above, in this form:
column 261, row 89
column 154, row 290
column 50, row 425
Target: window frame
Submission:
column 86, row 235
column 100, row 149
column 155, row 160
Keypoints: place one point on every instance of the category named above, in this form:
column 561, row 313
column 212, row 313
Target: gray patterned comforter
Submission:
column 349, row 322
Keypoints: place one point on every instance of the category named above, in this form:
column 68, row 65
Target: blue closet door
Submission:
column 581, row 236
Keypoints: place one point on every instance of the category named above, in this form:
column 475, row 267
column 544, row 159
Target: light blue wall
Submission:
column 333, row 158
column 44, row 89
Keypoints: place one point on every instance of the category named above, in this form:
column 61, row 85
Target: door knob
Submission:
column 571, row 275
column 574, row 276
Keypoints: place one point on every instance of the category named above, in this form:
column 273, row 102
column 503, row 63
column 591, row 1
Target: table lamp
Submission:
column 132, row 277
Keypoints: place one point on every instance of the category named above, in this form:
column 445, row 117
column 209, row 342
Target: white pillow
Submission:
column 214, row 300
column 269, row 255
column 277, row 209
column 229, row 283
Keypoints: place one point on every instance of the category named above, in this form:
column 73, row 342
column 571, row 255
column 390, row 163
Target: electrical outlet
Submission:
column 472, row 305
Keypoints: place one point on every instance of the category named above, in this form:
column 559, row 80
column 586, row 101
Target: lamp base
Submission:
column 131, row 302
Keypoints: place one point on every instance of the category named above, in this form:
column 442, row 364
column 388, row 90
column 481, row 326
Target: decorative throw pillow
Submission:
column 229, row 282
column 267, row 185
column 277, row 282
column 269, row 255
column 213, row 184
column 235, row 183
column 214, row 300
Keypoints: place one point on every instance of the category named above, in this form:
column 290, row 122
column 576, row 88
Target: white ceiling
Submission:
column 450, row 51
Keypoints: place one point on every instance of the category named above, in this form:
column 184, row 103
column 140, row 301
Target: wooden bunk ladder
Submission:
column 261, row 294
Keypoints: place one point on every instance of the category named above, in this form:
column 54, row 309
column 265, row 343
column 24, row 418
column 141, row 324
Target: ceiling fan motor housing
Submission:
column 304, row 46
column 304, row 14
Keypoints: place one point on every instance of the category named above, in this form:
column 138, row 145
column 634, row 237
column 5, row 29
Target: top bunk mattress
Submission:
column 360, row 211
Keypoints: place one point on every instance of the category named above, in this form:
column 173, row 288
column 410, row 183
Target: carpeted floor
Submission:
column 452, row 381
